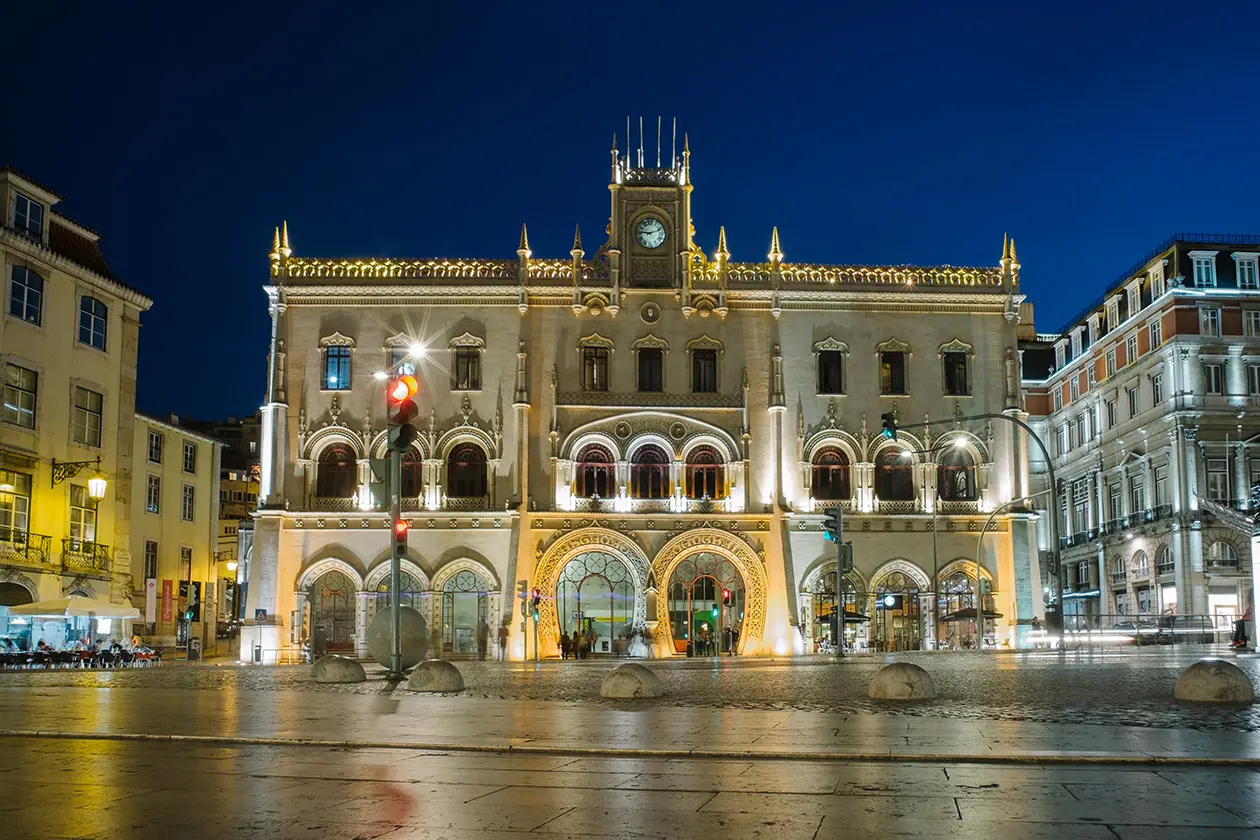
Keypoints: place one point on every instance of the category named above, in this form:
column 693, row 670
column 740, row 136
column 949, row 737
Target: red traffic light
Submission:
column 400, row 528
column 403, row 388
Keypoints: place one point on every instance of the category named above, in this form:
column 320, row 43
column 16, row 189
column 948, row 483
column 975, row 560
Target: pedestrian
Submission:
column 1239, row 639
column 483, row 639
column 579, row 644
column 726, row 640
column 565, row 644
column 592, row 639
column 734, row 641
column 503, row 640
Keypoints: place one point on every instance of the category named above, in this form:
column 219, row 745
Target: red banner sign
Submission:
column 168, row 599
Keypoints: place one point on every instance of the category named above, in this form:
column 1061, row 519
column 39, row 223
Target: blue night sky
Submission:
column 910, row 133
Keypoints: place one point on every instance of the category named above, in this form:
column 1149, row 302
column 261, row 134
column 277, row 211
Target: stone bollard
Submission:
column 437, row 676
column 337, row 669
column 631, row 681
column 1214, row 681
column 902, row 681
column 415, row 637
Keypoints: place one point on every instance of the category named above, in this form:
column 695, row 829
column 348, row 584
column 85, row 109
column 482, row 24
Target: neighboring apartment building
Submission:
column 174, row 532
column 238, row 498
column 68, row 347
column 634, row 432
column 1150, row 404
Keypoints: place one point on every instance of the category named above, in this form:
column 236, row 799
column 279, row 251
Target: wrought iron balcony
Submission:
column 959, row 506
column 1165, row 568
column 334, row 504
column 650, row 505
column 1222, row 564
column 468, row 503
column 22, row 548
column 85, row 557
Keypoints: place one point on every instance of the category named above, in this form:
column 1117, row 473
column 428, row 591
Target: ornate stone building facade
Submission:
column 648, row 435
column 1145, row 401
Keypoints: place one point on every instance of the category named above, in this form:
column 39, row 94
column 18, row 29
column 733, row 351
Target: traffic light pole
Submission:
column 395, row 567
column 840, row 582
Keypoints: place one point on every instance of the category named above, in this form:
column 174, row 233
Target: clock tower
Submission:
column 649, row 233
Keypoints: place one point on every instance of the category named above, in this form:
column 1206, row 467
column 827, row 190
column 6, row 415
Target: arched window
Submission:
column 649, row 473
column 1119, row 573
column 706, row 475
column 956, row 476
column 893, row 479
column 595, row 473
column 1164, row 561
column 831, row 474
column 412, row 474
column 466, row 472
column 1221, row 555
column 1141, row 564
column 335, row 478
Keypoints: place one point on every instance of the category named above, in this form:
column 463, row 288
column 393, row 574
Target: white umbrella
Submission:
column 76, row 605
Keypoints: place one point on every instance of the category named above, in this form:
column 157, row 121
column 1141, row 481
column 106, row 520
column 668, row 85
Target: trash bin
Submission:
column 194, row 649
column 257, row 654
column 689, row 650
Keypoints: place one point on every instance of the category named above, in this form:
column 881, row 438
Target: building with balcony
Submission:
column 68, row 346
column 1148, row 402
column 175, row 532
column 637, row 429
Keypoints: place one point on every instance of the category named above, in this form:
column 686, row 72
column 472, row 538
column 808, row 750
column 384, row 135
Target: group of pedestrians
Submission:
column 580, row 644
column 704, row 644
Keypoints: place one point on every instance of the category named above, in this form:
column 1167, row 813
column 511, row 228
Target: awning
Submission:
column 849, row 618
column 76, row 605
column 969, row 614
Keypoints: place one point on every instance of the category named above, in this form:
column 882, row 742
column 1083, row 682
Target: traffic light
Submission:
column 890, row 425
column 846, row 557
column 715, row 611
column 535, row 600
column 402, row 410
column 833, row 524
column 726, row 597
column 522, row 589
column 400, row 538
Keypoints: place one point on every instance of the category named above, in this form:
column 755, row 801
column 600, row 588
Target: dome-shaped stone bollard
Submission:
column 631, row 681
column 1214, row 681
column 436, row 675
column 415, row 637
column 337, row 669
column 902, row 681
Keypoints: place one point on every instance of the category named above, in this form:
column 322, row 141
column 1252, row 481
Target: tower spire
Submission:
column 1014, row 259
column 275, row 245
column 776, row 253
column 1006, row 247
column 284, row 240
column 577, row 238
column 523, row 247
column 721, row 252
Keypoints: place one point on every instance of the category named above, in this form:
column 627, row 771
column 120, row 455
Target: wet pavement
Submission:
column 1027, row 746
column 1119, row 688
column 105, row 790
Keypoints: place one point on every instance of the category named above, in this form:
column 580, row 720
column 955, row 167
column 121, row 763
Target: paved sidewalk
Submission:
column 156, row 791
column 406, row 719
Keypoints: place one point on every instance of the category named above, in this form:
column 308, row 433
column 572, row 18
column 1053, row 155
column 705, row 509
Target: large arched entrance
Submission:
column 896, row 603
column 596, row 594
column 553, row 574
column 706, row 604
column 333, row 598
column 694, row 568
column 821, row 618
column 465, row 605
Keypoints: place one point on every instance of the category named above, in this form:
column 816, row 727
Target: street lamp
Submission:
column 96, row 487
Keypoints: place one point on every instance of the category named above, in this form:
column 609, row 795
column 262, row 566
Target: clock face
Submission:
column 650, row 233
